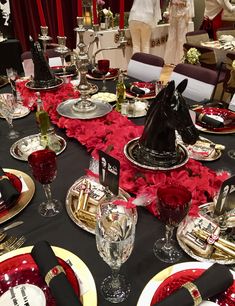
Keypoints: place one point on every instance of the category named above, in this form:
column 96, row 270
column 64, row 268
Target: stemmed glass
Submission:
column 43, row 164
column 115, row 235
column 173, row 202
column 103, row 68
column 7, row 107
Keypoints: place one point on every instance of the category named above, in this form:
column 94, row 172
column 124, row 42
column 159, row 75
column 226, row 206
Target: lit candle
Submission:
column 95, row 18
column 79, row 8
column 121, row 14
column 41, row 14
column 60, row 18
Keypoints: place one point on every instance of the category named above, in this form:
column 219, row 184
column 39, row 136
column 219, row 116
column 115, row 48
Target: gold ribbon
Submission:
column 208, row 58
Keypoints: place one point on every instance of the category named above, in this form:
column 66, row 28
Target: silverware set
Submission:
column 10, row 243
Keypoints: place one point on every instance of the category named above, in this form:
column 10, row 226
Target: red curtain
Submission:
column 26, row 22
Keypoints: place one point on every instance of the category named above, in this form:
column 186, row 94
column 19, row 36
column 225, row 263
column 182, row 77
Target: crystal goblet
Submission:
column 103, row 68
column 173, row 203
column 8, row 105
column 43, row 164
column 115, row 235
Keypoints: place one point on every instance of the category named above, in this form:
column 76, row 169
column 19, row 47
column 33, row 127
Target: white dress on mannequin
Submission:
column 144, row 15
column 180, row 13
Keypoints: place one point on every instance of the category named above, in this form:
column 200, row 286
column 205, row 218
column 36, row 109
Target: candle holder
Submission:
column 62, row 49
column 44, row 37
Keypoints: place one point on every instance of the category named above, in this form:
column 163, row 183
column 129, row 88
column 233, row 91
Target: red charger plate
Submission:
column 150, row 86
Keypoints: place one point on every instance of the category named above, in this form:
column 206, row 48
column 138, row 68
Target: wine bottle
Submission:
column 43, row 121
column 101, row 15
column 120, row 92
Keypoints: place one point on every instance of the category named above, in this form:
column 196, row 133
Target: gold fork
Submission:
column 16, row 245
column 8, row 242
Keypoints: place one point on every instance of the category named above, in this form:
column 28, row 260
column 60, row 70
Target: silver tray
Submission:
column 66, row 109
column 131, row 145
column 23, row 147
column 205, row 209
column 30, row 85
column 72, row 198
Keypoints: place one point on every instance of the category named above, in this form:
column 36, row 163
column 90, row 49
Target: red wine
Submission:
column 173, row 203
column 103, row 66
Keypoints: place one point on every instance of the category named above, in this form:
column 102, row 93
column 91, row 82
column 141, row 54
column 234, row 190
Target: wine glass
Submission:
column 103, row 67
column 43, row 164
column 8, row 105
column 173, row 202
column 115, row 235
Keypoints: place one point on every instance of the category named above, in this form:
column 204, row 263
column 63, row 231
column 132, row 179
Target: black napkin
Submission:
column 61, row 289
column 8, row 192
column 134, row 89
column 67, row 70
column 213, row 281
column 208, row 121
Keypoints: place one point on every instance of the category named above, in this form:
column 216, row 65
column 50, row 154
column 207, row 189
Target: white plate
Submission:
column 88, row 290
column 151, row 287
column 105, row 97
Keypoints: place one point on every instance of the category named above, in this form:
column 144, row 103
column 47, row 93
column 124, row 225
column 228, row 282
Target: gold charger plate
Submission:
column 3, row 80
column 24, row 198
column 89, row 295
column 97, row 191
column 158, row 280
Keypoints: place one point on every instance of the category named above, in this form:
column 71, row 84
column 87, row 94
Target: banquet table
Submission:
column 61, row 231
column 219, row 50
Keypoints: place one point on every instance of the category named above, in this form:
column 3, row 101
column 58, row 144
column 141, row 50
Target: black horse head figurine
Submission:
column 166, row 115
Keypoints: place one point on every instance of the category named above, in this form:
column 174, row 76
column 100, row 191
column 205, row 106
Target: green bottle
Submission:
column 120, row 92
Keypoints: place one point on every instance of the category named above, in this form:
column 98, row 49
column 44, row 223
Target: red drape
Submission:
column 26, row 21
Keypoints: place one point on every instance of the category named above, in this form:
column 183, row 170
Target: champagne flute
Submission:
column 115, row 235
column 173, row 202
column 43, row 164
column 103, row 67
column 7, row 107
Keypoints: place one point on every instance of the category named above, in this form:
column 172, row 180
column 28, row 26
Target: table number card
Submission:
column 109, row 172
column 226, row 198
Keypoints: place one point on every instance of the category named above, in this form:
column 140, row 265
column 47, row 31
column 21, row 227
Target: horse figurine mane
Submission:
column 167, row 114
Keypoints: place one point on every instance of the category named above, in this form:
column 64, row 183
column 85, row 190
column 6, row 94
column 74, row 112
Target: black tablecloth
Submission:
column 10, row 56
column 63, row 232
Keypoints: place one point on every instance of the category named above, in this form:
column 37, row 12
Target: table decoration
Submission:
column 62, row 49
column 170, row 279
column 44, row 37
column 134, row 109
column 41, row 13
column 60, row 21
column 83, row 199
column 202, row 181
column 121, row 14
column 22, row 148
column 106, row 97
column 26, row 194
column 95, row 75
column 79, row 8
column 19, row 112
column 3, row 81
column 71, row 263
column 141, row 90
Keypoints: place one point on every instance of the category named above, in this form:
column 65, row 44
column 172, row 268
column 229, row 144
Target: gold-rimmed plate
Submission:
column 3, row 80
column 31, row 85
column 27, row 192
column 112, row 74
column 171, row 278
column 86, row 281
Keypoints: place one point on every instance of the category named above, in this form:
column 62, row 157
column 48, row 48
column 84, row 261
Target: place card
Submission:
column 109, row 172
column 226, row 198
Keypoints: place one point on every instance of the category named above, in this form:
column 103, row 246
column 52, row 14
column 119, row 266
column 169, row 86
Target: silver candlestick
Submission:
column 62, row 49
column 44, row 37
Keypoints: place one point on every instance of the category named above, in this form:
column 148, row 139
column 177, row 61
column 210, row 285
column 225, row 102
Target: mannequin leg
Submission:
column 135, row 35
column 145, row 37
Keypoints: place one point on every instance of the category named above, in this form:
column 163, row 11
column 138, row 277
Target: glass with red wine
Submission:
column 173, row 203
column 44, row 168
column 103, row 68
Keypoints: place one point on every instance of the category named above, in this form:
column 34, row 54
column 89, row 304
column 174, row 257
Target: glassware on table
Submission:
column 44, row 168
column 103, row 68
column 8, row 105
column 173, row 203
column 115, row 235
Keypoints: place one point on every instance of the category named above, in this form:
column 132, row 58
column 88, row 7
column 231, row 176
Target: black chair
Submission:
column 229, row 81
column 145, row 67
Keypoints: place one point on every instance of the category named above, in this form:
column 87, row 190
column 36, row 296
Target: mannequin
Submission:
column 213, row 15
column 144, row 15
column 180, row 13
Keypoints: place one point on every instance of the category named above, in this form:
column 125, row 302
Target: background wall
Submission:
column 199, row 10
